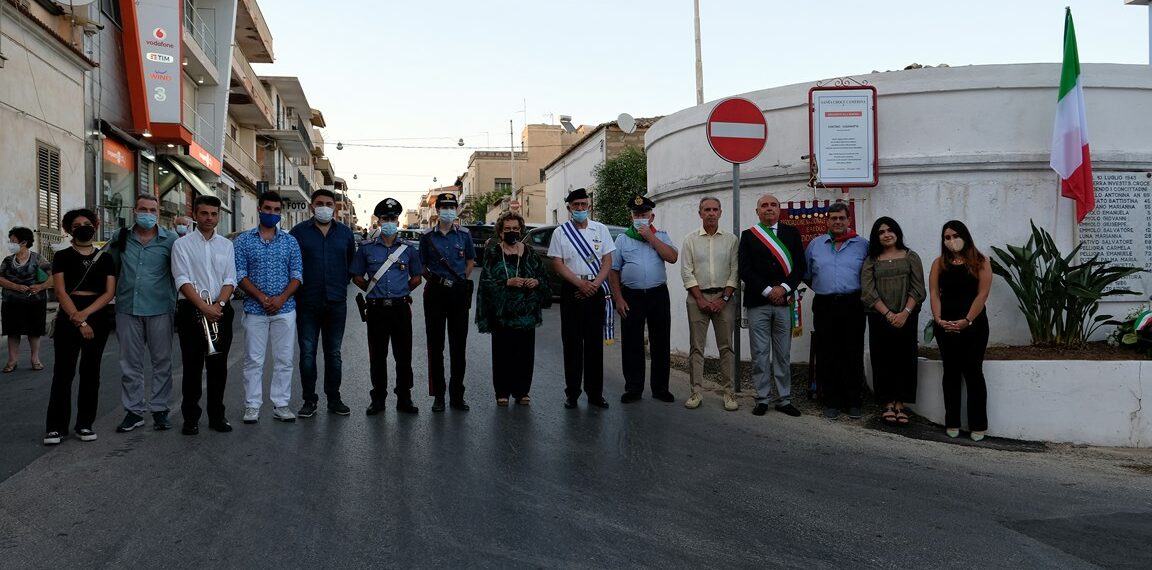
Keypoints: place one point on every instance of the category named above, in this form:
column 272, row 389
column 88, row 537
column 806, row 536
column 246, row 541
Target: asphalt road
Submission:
column 645, row 485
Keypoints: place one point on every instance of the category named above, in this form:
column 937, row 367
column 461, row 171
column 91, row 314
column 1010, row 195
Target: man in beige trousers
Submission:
column 709, row 268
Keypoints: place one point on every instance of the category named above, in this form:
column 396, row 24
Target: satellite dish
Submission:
column 626, row 123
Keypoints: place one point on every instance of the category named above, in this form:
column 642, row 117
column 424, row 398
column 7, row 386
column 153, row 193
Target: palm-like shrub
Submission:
column 1058, row 297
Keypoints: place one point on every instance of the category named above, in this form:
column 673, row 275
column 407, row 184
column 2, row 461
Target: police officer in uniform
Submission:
column 388, row 306
column 448, row 256
column 640, row 287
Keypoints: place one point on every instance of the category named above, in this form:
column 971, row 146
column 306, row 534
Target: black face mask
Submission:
column 84, row 233
column 511, row 238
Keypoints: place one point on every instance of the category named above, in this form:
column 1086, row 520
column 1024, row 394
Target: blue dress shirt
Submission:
column 639, row 264
column 269, row 265
column 394, row 283
column 832, row 271
column 325, row 259
column 456, row 246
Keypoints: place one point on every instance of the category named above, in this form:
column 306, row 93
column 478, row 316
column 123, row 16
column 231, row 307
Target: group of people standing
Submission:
column 875, row 284
column 294, row 289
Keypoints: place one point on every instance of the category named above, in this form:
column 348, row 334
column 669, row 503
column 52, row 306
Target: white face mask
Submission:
column 323, row 214
column 955, row 245
column 13, row 248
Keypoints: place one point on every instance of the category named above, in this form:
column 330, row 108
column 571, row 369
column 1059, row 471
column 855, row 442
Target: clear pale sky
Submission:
column 429, row 73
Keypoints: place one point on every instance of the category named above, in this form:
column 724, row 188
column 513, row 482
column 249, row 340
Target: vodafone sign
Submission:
column 737, row 130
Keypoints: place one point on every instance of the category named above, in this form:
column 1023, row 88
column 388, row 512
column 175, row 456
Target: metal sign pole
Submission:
column 736, row 382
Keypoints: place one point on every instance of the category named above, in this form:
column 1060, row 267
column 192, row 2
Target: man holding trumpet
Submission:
column 204, row 268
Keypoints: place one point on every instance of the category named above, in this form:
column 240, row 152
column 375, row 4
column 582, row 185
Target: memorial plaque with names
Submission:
column 1119, row 229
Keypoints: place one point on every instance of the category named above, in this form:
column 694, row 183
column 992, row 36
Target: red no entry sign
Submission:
column 737, row 130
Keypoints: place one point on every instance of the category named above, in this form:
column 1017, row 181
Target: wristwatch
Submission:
column 725, row 298
column 222, row 303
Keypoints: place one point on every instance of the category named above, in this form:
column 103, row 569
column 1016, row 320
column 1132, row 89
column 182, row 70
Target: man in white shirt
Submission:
column 204, row 268
column 581, row 252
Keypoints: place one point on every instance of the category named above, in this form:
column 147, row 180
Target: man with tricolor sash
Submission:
column 581, row 252
column 639, row 281
column 838, row 319
column 772, row 264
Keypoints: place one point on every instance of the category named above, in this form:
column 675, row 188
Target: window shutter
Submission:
column 48, row 186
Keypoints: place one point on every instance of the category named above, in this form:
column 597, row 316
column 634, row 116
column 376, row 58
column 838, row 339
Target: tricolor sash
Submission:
column 784, row 258
column 777, row 247
column 592, row 260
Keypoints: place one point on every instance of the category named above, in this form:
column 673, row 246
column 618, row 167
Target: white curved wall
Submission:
column 970, row 143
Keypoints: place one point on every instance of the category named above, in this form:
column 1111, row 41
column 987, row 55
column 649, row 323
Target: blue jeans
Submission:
column 313, row 319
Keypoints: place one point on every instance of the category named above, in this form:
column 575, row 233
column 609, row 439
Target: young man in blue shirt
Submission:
column 326, row 248
column 269, row 270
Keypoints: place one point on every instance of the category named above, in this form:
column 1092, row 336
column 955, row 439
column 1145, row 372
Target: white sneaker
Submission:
column 86, row 434
column 283, row 414
column 694, row 401
column 730, row 403
column 251, row 415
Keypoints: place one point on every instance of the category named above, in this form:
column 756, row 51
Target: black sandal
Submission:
column 889, row 415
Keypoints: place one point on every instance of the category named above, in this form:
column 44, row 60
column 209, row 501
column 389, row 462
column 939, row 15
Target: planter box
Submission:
column 1079, row 401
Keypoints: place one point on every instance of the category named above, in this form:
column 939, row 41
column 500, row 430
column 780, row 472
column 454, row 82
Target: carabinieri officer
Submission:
column 448, row 257
column 388, row 308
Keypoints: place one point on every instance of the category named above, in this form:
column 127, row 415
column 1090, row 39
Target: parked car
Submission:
column 412, row 237
column 481, row 233
column 540, row 237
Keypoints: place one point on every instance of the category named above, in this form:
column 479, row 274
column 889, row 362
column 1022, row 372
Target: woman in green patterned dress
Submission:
column 513, row 292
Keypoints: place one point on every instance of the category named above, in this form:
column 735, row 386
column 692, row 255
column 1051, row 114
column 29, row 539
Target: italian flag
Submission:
column 1070, row 155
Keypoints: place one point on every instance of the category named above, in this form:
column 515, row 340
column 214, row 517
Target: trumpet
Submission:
column 211, row 330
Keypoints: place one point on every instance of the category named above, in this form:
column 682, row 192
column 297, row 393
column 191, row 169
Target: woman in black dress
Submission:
column 85, row 282
column 960, row 280
column 24, row 277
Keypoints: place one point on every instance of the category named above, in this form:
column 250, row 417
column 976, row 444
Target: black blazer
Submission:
column 759, row 268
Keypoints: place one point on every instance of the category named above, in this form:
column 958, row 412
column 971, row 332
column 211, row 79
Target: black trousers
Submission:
column 893, row 359
column 70, row 346
column 446, row 308
column 390, row 324
column 196, row 361
column 839, row 322
column 513, row 358
column 651, row 307
column 582, row 333
column 963, row 356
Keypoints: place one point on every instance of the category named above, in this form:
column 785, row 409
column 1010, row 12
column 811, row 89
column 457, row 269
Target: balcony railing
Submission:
column 305, row 132
column 200, row 30
column 234, row 152
column 305, row 184
column 199, row 126
column 252, row 84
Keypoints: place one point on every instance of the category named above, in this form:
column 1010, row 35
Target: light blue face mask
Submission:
column 181, row 229
column 389, row 229
column 447, row 216
column 579, row 216
column 641, row 223
column 146, row 220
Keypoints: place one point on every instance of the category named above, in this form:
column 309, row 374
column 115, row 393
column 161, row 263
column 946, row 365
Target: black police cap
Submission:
column 577, row 194
column 388, row 207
